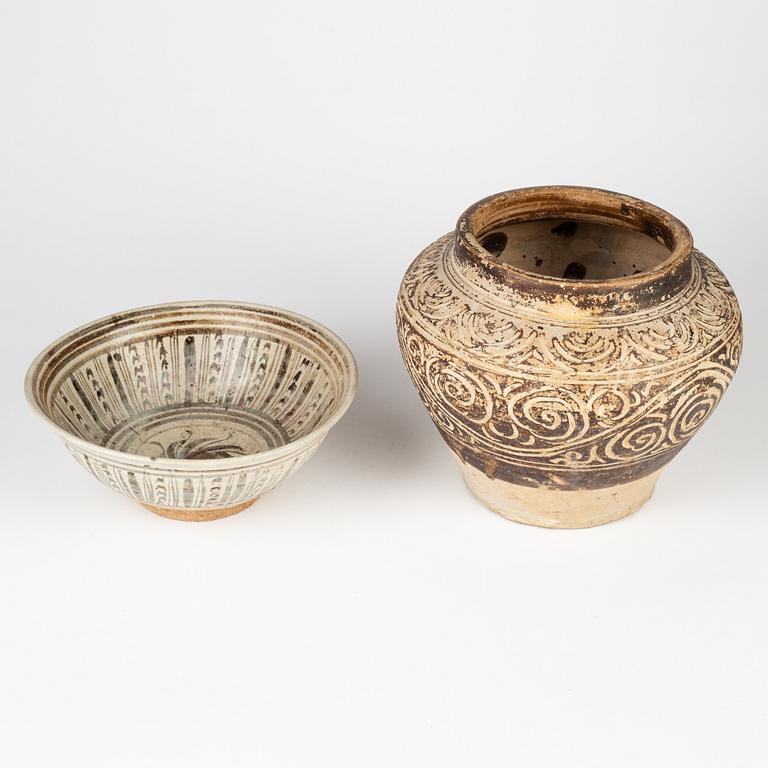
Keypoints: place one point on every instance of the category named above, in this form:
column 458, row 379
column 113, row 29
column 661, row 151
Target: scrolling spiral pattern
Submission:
column 565, row 403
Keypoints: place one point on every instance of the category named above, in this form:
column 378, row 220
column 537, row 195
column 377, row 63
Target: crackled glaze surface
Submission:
column 194, row 406
column 567, row 384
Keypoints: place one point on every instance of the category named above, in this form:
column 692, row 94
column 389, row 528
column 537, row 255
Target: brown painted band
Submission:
column 584, row 204
column 560, row 480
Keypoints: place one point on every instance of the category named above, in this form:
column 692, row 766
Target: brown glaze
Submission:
column 579, row 204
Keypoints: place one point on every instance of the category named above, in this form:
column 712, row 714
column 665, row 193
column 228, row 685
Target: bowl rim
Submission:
column 269, row 455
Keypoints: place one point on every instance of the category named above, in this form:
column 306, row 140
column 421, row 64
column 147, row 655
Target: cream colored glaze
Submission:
column 559, row 509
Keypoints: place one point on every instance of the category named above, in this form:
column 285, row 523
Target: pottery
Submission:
column 567, row 343
column 194, row 409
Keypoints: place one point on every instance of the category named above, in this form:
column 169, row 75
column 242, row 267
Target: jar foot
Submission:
column 559, row 509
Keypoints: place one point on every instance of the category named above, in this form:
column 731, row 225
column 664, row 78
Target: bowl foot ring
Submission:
column 198, row 515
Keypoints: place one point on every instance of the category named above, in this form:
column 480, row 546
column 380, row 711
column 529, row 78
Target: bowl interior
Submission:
column 194, row 381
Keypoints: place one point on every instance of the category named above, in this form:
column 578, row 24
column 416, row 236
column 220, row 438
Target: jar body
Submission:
column 563, row 413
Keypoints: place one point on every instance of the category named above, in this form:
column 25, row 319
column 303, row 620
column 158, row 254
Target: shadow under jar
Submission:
column 567, row 343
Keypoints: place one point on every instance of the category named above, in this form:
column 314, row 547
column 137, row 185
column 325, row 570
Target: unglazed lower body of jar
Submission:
column 567, row 343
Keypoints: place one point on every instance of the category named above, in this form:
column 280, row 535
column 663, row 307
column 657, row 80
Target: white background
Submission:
column 369, row 612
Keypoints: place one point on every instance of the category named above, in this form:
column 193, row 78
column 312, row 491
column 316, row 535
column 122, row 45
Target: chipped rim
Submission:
column 576, row 203
column 349, row 376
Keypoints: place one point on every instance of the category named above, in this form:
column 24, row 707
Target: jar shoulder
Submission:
column 480, row 322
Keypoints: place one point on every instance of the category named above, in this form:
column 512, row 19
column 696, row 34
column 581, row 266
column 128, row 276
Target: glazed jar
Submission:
column 567, row 343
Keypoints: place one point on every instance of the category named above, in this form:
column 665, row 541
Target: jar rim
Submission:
column 575, row 203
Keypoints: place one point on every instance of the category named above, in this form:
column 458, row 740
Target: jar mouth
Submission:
column 573, row 236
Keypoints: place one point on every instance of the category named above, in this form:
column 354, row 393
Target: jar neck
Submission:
column 616, row 295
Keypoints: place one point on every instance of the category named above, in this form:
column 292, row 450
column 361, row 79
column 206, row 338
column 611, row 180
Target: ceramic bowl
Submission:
column 194, row 409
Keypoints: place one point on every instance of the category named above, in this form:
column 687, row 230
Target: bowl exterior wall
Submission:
column 190, row 488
